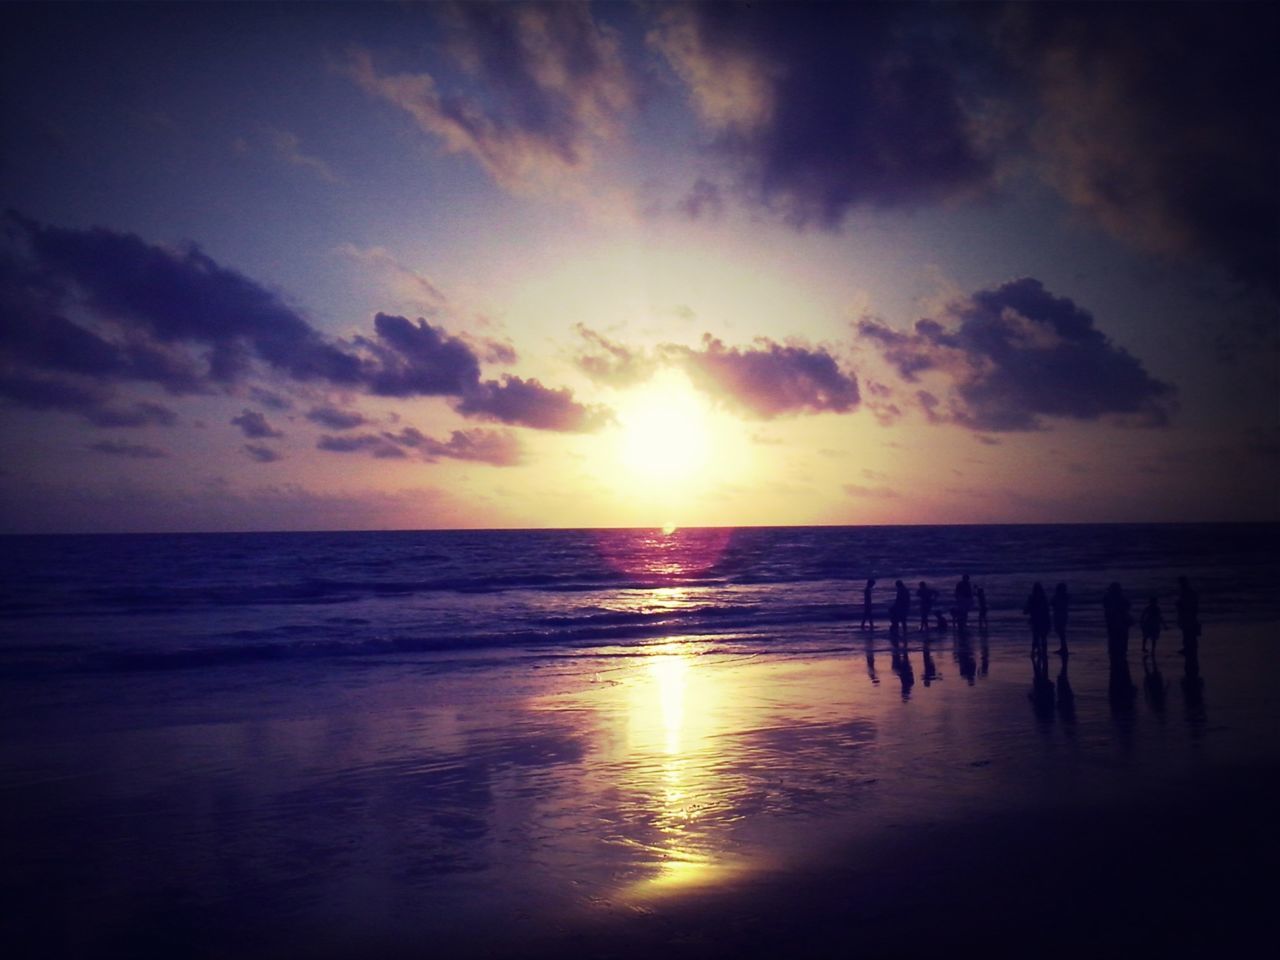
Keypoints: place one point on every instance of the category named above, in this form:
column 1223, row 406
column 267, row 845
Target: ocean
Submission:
column 499, row 743
column 155, row 602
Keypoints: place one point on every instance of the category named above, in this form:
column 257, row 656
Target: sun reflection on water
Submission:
column 671, row 719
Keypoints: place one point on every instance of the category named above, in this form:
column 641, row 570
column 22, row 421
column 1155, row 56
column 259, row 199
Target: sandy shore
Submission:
column 864, row 801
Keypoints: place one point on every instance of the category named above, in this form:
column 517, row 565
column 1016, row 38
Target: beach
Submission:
column 667, row 798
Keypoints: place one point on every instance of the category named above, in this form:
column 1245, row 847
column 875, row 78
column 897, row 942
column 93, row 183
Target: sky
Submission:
column 399, row 266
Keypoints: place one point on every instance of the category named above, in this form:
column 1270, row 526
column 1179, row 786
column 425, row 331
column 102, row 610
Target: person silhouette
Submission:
column 1151, row 621
column 926, row 595
column 1115, row 610
column 868, row 611
column 1037, row 608
column 901, row 606
column 982, row 608
column 964, row 602
column 1059, row 605
column 1188, row 617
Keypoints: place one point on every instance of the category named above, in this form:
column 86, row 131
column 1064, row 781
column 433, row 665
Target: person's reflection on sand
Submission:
column 984, row 651
column 1120, row 689
column 1042, row 693
column 1066, row 696
column 963, row 654
column 900, row 663
column 869, row 645
column 1193, row 692
column 1153, row 686
column 930, row 668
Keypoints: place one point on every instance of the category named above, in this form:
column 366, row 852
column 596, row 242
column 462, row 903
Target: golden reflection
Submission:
column 673, row 714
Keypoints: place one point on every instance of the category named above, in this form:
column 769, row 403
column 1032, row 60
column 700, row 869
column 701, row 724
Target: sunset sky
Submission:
column 631, row 264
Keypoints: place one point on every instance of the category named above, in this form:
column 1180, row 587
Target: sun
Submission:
column 666, row 437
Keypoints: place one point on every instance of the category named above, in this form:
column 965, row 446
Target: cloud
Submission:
column 611, row 362
column 1155, row 122
column 405, row 281
column 179, row 319
column 834, row 107
column 262, row 454
column 336, row 419
column 542, row 88
column 371, row 443
column 254, row 425
column 134, row 451
column 765, row 380
column 170, row 297
column 1015, row 354
column 417, row 359
column 528, row 403
column 768, row 379
column 497, row 447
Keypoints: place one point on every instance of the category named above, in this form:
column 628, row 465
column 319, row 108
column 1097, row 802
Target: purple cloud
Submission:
column 768, row 379
column 133, row 451
column 553, row 87
column 336, row 419
column 831, row 107
column 528, row 403
column 181, row 320
column 254, row 425
column 1015, row 354
column 262, row 454
column 497, row 447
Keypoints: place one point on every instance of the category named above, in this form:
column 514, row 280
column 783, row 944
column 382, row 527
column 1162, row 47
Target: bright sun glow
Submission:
column 666, row 437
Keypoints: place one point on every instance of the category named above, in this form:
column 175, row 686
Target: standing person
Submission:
column 1037, row 609
column 982, row 609
column 901, row 606
column 1059, row 605
column 964, row 602
column 1151, row 621
column 1115, row 609
column 926, row 595
column 868, row 613
column 1188, row 617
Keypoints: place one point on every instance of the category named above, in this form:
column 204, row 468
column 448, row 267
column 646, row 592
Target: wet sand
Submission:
column 685, row 803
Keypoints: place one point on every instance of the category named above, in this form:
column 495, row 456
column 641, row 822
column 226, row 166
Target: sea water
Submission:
column 159, row 602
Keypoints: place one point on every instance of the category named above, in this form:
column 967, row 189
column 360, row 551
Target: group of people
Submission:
column 1046, row 613
column 900, row 609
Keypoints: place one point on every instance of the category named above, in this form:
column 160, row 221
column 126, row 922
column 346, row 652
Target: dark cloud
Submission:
column 157, row 307
column 262, row 454
column 547, row 88
column 528, row 403
column 371, row 443
column 497, row 447
column 176, row 296
column 269, row 398
column 141, row 414
column 336, row 419
column 1160, row 122
column 134, row 451
column 768, row 379
column 826, row 107
column 255, row 426
column 1015, row 354
column 417, row 359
